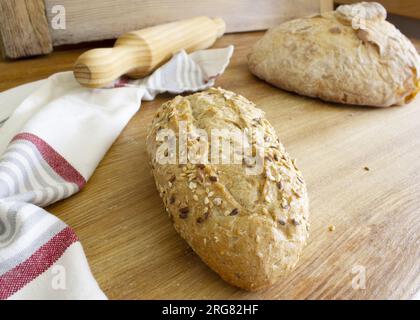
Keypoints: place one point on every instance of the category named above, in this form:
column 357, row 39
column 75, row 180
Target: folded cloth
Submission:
column 53, row 134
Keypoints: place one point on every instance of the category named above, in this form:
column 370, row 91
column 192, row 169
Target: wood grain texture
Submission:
column 135, row 253
column 24, row 28
column 138, row 53
column 106, row 19
column 408, row 8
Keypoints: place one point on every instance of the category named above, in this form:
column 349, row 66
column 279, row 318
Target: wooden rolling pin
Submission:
column 140, row 52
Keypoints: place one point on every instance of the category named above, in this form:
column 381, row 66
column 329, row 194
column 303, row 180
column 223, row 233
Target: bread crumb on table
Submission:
column 331, row 228
column 366, row 168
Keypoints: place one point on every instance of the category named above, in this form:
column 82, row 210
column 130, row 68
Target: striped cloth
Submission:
column 53, row 134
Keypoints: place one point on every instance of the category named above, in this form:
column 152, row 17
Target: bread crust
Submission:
column 351, row 55
column 250, row 229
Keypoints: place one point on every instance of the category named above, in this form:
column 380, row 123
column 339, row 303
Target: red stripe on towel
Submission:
column 18, row 277
column 54, row 159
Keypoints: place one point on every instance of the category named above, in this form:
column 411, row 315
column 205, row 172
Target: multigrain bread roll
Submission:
column 247, row 220
column 351, row 55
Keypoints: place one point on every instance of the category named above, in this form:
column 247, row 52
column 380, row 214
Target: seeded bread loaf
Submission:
column 249, row 228
column 351, row 55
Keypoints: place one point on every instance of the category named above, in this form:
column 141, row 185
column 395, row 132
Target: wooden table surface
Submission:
column 135, row 253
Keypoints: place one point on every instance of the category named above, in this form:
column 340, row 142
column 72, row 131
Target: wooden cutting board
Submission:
column 362, row 166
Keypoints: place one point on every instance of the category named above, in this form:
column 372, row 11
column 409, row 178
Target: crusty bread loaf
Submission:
column 249, row 228
column 351, row 55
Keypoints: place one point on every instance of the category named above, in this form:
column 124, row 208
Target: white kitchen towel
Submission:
column 53, row 134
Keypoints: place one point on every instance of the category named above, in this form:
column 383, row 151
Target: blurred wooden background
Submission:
column 29, row 27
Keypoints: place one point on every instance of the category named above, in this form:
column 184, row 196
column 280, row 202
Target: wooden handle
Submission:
column 140, row 52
